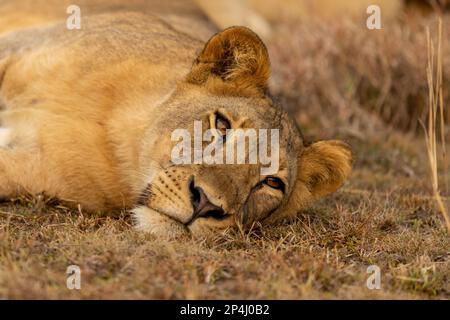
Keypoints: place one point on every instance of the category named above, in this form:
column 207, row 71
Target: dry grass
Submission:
column 334, row 79
column 342, row 69
column 435, row 106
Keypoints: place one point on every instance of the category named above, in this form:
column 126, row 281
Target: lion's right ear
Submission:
column 236, row 57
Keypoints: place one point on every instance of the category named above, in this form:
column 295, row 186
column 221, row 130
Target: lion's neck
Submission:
column 126, row 129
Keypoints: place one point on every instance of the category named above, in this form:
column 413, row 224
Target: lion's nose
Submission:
column 202, row 206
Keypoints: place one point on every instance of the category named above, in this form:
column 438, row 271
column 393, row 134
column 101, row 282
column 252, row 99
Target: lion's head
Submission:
column 227, row 89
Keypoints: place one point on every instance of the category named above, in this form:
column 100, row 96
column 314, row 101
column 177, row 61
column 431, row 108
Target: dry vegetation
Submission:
column 340, row 81
column 343, row 69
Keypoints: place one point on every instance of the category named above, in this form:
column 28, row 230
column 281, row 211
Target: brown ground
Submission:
column 384, row 215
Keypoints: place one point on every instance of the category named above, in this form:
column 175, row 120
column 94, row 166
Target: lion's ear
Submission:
column 235, row 56
column 324, row 166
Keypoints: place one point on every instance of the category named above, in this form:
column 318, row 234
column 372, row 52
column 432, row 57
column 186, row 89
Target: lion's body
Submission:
column 68, row 115
column 87, row 115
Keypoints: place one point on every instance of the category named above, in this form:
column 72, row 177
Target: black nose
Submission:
column 202, row 206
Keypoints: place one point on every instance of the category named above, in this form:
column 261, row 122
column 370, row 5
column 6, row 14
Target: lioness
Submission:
column 87, row 117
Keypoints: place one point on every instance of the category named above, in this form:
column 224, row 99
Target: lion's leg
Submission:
column 19, row 161
column 8, row 187
column 19, row 172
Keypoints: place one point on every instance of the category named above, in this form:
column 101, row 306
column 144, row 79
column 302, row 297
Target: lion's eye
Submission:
column 274, row 183
column 222, row 124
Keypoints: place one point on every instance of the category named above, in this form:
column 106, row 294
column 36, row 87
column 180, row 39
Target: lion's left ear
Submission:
column 235, row 56
column 324, row 166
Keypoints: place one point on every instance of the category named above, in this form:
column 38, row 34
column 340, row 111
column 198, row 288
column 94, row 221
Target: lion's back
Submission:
column 112, row 56
column 22, row 14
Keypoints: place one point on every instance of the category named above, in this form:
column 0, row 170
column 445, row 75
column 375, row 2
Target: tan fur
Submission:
column 89, row 114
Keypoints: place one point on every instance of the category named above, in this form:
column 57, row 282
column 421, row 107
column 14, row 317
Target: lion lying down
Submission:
column 88, row 116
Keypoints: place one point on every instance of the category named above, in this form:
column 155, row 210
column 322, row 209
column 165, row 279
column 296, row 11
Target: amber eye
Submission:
column 274, row 183
column 222, row 124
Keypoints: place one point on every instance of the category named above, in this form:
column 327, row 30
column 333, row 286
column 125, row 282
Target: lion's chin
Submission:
column 206, row 228
column 153, row 222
